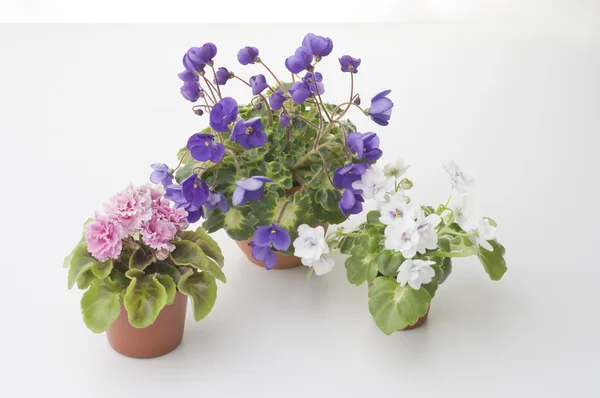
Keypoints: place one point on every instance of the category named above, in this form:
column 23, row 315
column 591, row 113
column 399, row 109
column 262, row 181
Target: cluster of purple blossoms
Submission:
column 195, row 196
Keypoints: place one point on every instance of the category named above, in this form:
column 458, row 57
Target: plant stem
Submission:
column 283, row 210
column 210, row 87
column 311, row 181
column 451, row 254
column 274, row 77
column 242, row 80
column 217, row 81
column 306, row 121
column 181, row 160
column 268, row 108
column 309, row 154
column 349, row 105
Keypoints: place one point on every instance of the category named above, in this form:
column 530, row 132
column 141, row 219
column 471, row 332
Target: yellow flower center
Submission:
column 249, row 129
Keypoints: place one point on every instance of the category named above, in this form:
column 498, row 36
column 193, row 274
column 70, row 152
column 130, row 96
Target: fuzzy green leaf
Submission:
column 100, row 305
column 237, row 222
column 80, row 267
column 140, row 259
column 169, row 286
column 144, row 299
column 188, row 253
column 168, row 269
column 102, row 270
column 373, row 218
column 360, row 266
column 395, row 307
column 446, row 267
column 493, row 261
column 388, row 262
column 202, row 289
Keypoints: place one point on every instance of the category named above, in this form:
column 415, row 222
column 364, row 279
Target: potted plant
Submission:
column 138, row 265
column 285, row 159
column 404, row 251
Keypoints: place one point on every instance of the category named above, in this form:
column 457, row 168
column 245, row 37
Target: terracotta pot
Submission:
column 283, row 261
column 160, row 338
column 419, row 322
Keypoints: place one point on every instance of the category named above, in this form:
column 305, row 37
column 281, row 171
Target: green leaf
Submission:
column 432, row 286
column 169, row 286
column 237, row 222
column 395, row 307
column 102, row 270
column 209, row 246
column 493, row 261
column 135, row 273
column 80, row 267
column 168, row 269
column 202, row 289
column 444, row 243
column 373, row 218
column 140, row 259
column 446, row 267
column 360, row 266
column 100, row 305
column 388, row 262
column 188, row 253
column 144, row 299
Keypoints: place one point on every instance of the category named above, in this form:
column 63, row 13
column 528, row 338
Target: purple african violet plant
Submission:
column 239, row 173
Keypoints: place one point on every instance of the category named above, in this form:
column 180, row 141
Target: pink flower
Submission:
column 160, row 230
column 156, row 192
column 103, row 237
column 158, row 233
column 131, row 207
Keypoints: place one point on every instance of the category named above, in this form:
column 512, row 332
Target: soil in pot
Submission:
column 160, row 338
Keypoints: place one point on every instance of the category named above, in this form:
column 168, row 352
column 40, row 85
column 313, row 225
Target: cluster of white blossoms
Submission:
column 311, row 247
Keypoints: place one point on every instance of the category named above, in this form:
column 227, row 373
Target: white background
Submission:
column 85, row 109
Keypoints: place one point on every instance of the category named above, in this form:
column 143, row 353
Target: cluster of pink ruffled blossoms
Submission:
column 135, row 209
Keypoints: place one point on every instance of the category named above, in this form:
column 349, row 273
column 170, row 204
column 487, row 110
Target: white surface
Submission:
column 86, row 109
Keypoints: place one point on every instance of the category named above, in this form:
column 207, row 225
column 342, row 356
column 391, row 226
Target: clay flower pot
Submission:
column 419, row 322
column 284, row 261
column 160, row 338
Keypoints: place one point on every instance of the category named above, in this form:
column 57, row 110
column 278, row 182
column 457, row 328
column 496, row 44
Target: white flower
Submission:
column 484, row 232
column 402, row 237
column 460, row 179
column 466, row 212
column 396, row 169
column 396, row 210
column 428, row 236
column 415, row 273
column 310, row 244
column 321, row 266
column 373, row 184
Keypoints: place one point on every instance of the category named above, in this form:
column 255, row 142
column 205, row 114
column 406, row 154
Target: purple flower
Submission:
column 249, row 134
column 349, row 64
column 216, row 199
column 313, row 81
column 198, row 111
column 264, row 254
column 351, row 203
column 202, row 55
column 251, row 189
column 202, row 147
column 223, row 114
column 161, row 174
column 248, row 55
column 273, row 234
column 221, row 76
column 319, row 46
column 284, row 120
column 344, row 176
column 174, row 193
column 195, row 191
column 357, row 100
column 276, row 100
column 188, row 76
column 300, row 60
column 258, row 84
column 381, row 108
column 365, row 145
column 300, row 92
column 191, row 91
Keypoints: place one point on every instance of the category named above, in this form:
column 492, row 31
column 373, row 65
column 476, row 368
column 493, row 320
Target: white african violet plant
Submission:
column 405, row 249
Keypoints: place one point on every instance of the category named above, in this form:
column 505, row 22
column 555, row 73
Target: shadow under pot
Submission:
column 421, row 320
column 160, row 338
